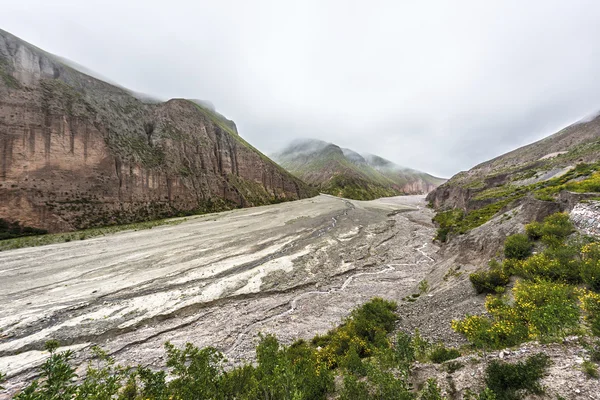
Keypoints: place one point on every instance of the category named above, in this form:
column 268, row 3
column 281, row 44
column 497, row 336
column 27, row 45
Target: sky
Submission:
column 438, row 86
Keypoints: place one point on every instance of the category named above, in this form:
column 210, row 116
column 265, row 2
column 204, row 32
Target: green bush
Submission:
column 534, row 230
column 556, row 228
column 440, row 354
column 404, row 351
column 489, row 281
column 514, row 381
column 431, row 391
column 517, row 246
column 590, row 266
column 544, row 310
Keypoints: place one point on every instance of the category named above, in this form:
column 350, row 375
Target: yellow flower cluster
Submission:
column 590, row 303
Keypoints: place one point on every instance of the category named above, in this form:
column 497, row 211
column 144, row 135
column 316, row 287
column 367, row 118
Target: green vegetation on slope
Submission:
column 583, row 178
column 12, row 230
column 44, row 239
column 369, row 366
column 558, row 286
column 345, row 173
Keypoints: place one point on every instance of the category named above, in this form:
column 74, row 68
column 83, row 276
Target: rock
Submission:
column 78, row 152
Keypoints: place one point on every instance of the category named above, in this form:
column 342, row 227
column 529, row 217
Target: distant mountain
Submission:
column 77, row 151
column 346, row 173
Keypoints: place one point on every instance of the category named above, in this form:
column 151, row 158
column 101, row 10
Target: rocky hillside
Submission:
column 560, row 169
column 79, row 152
column 478, row 209
column 344, row 172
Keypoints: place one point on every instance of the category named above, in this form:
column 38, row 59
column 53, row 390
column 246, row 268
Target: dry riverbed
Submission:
column 293, row 269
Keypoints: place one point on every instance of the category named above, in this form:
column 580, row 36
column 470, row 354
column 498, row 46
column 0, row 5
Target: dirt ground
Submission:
column 294, row 269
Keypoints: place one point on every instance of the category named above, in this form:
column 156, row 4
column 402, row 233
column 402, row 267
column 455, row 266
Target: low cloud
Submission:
column 435, row 85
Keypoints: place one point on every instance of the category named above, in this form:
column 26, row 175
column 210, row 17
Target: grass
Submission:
column 52, row 238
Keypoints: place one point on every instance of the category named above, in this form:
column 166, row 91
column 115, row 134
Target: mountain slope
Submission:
column 346, row 173
column 560, row 169
column 79, row 152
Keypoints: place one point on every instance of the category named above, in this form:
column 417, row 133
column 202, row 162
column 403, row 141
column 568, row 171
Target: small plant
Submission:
column 594, row 351
column 517, row 246
column 453, row 272
column 420, row 345
column 513, row 381
column 431, row 391
column 440, row 354
column 453, row 366
column 486, row 394
column 404, row 351
column 423, row 286
column 590, row 369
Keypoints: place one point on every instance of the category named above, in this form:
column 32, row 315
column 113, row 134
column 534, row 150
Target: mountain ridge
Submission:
column 346, row 173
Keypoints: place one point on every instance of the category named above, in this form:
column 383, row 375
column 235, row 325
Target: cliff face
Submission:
column 78, row 152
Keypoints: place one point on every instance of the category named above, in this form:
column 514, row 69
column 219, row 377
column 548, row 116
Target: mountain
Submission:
column 554, row 173
column 346, row 173
column 79, row 152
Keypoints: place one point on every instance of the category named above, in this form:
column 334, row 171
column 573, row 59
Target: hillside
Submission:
column 559, row 170
column 78, row 152
column 345, row 173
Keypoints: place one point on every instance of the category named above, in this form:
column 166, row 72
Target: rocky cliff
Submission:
column 78, row 152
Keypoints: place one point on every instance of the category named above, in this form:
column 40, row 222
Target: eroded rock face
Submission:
column 586, row 217
column 78, row 152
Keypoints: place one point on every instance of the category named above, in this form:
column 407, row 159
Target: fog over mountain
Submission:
column 438, row 86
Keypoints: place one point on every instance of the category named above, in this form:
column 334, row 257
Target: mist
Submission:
column 437, row 86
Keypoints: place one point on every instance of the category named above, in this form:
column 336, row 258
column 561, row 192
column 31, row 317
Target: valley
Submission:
column 294, row 269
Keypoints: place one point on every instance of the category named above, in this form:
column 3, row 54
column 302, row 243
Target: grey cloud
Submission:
column 434, row 85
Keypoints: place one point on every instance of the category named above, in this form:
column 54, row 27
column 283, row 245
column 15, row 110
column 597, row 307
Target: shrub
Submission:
column 486, row 394
column 590, row 304
column 423, row 286
column 517, row 246
column 420, row 346
column 448, row 222
column 365, row 329
column 595, row 351
column 513, row 381
column 541, row 310
column 404, row 352
column 440, row 354
column 375, row 316
column 590, row 267
column 534, row 230
column 550, row 309
column 431, row 391
column 544, row 265
column 489, row 281
column 556, row 228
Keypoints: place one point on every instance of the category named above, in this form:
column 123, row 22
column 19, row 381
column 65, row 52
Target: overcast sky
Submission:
column 433, row 85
